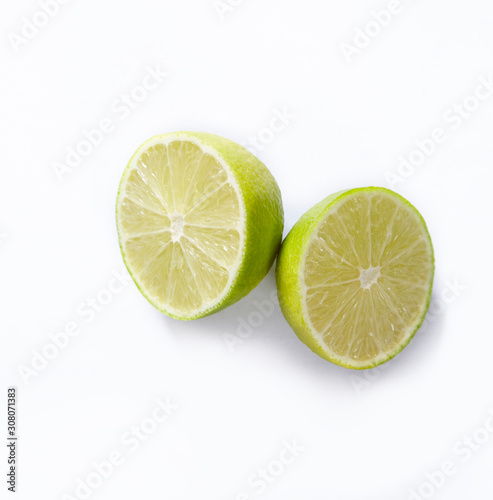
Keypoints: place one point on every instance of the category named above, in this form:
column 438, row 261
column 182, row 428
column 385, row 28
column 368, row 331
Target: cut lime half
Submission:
column 355, row 276
column 199, row 221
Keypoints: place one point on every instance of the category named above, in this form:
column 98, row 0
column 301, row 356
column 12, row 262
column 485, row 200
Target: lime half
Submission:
column 199, row 222
column 355, row 276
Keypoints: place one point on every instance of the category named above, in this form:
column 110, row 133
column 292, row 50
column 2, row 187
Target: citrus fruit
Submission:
column 199, row 221
column 355, row 275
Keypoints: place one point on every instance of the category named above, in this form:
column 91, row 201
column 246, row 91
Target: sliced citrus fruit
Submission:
column 355, row 276
column 199, row 222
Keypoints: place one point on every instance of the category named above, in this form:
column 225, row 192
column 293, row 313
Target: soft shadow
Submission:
column 227, row 319
column 278, row 339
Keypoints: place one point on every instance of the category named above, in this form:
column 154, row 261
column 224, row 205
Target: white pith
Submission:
column 369, row 276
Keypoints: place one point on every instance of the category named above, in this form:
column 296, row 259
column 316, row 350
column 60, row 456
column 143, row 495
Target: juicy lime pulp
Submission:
column 183, row 216
column 355, row 276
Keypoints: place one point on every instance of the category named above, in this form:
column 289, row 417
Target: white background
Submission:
column 365, row 435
